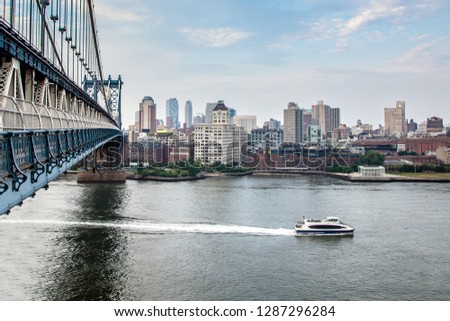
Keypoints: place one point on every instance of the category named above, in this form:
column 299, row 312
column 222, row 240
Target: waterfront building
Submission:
column 266, row 138
column 314, row 135
column 172, row 120
column 395, row 121
column 147, row 115
column 371, row 171
column 218, row 141
column 188, row 114
column 246, row 121
column 421, row 146
column 292, row 124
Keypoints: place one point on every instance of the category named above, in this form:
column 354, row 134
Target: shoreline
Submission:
column 135, row 177
column 355, row 178
column 352, row 178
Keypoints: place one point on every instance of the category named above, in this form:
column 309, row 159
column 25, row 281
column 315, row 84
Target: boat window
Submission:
column 326, row 227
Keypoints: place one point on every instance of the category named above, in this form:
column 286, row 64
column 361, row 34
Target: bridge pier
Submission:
column 104, row 176
column 107, row 164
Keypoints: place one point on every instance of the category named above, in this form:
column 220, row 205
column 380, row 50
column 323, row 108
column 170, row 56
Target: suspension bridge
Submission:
column 56, row 106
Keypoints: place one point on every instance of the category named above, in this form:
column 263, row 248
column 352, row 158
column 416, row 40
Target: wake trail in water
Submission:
column 167, row 228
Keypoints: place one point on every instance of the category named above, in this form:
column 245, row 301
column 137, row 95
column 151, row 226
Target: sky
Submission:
column 259, row 55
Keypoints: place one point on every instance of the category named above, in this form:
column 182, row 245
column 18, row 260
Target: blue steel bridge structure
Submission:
column 56, row 106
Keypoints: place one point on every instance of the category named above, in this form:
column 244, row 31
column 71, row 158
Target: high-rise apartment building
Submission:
column 208, row 112
column 321, row 116
column 411, row 125
column 147, row 115
column 293, row 124
column 335, row 118
column 272, row 124
column 307, row 120
column 327, row 117
column 266, row 138
column 246, row 121
column 218, row 141
column 314, row 135
column 188, row 114
column 233, row 113
column 172, row 120
column 395, row 121
column 136, row 121
column 199, row 119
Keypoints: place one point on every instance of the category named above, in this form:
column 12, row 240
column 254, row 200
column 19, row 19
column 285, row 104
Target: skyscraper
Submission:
column 321, row 115
column 394, row 120
column 246, row 121
column 208, row 112
column 172, row 113
column 328, row 118
column 199, row 119
column 293, row 124
column 335, row 118
column 307, row 118
column 233, row 113
column 188, row 114
column 147, row 115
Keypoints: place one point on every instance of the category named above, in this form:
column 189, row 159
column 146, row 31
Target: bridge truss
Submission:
column 55, row 106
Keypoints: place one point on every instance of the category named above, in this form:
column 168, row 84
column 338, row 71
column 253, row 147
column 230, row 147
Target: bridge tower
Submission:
column 56, row 108
column 113, row 90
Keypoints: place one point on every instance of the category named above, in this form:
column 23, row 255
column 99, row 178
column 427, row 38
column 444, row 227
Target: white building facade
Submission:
column 371, row 171
column 219, row 141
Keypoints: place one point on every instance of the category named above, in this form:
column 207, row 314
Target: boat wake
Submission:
column 165, row 228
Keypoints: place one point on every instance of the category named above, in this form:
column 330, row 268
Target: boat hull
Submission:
column 309, row 232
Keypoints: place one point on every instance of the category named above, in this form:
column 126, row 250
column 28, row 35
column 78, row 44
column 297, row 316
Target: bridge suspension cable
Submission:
column 63, row 31
column 50, row 77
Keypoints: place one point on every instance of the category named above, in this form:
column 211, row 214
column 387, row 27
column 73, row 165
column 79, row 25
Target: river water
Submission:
column 227, row 238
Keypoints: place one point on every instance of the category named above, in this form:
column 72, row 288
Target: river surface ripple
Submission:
column 227, row 238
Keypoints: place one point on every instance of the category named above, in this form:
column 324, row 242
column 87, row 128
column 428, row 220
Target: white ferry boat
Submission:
column 329, row 226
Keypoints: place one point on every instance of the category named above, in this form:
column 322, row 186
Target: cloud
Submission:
column 349, row 27
column 116, row 14
column 427, row 57
column 419, row 37
column 216, row 38
column 377, row 11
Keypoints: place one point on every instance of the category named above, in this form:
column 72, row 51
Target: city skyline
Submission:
column 360, row 57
